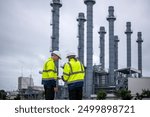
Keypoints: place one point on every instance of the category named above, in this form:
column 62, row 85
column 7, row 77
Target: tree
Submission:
column 3, row 95
column 101, row 95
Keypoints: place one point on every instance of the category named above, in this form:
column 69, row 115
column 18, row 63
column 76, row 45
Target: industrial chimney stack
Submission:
column 128, row 32
column 102, row 33
column 116, row 51
column 81, row 19
column 89, row 69
column 56, row 4
column 111, row 18
column 139, row 41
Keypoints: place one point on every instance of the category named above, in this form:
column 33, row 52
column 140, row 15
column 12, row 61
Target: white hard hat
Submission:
column 71, row 54
column 57, row 53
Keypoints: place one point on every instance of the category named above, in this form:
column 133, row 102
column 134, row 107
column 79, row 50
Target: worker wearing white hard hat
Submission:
column 49, row 75
column 57, row 53
column 73, row 74
column 71, row 54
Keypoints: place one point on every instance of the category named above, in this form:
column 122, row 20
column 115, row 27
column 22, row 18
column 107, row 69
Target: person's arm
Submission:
column 66, row 72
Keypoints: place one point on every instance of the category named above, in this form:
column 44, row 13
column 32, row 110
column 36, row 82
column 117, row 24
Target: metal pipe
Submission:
column 139, row 41
column 111, row 18
column 128, row 32
column 102, row 33
column 56, row 4
column 116, row 51
column 89, row 70
column 81, row 19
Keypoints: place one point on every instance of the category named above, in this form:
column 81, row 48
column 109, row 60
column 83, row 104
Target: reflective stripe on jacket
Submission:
column 73, row 71
column 49, row 70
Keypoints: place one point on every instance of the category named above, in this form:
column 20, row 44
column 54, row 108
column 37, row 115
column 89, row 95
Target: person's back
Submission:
column 75, row 69
column 73, row 74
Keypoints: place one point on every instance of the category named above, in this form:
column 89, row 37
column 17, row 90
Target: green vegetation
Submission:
column 124, row 94
column 101, row 95
column 17, row 97
column 144, row 94
column 3, row 95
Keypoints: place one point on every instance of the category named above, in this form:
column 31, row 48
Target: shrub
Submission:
column 124, row 94
column 101, row 95
column 146, row 93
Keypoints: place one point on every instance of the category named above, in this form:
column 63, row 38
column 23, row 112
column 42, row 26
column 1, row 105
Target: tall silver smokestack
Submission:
column 128, row 32
column 56, row 4
column 89, row 70
column 139, row 41
column 102, row 33
column 81, row 19
column 116, row 51
column 111, row 18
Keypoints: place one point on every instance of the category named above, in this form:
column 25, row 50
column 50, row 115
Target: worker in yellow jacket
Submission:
column 73, row 74
column 49, row 75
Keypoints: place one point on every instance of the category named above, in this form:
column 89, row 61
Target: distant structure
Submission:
column 56, row 4
column 81, row 19
column 128, row 32
column 27, row 90
column 111, row 18
column 25, row 82
column 102, row 33
column 139, row 41
column 123, row 75
column 116, row 51
column 89, row 69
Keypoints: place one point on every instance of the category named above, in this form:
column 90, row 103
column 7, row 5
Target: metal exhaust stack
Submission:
column 116, row 51
column 89, row 69
column 139, row 41
column 111, row 18
column 128, row 33
column 56, row 4
column 81, row 19
column 102, row 33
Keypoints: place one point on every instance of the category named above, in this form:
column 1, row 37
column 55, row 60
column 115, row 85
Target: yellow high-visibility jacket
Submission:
column 49, row 70
column 73, row 71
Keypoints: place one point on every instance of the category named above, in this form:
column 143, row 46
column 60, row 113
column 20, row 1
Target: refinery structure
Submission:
column 97, row 77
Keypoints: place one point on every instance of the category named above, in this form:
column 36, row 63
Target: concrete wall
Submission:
column 136, row 85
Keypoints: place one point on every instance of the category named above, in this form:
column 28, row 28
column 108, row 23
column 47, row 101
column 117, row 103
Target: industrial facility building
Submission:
column 97, row 77
column 27, row 90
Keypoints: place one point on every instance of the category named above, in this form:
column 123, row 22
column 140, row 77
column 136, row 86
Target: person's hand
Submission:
column 56, row 89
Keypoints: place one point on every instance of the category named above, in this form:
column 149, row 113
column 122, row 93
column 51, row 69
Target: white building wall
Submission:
column 136, row 85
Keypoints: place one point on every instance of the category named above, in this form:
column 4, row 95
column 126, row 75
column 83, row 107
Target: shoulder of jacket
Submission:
column 66, row 64
column 49, row 61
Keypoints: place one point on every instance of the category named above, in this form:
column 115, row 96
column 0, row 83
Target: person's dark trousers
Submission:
column 49, row 93
column 75, row 94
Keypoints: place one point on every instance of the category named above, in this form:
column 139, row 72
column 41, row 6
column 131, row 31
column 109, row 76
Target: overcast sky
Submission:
column 25, row 34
